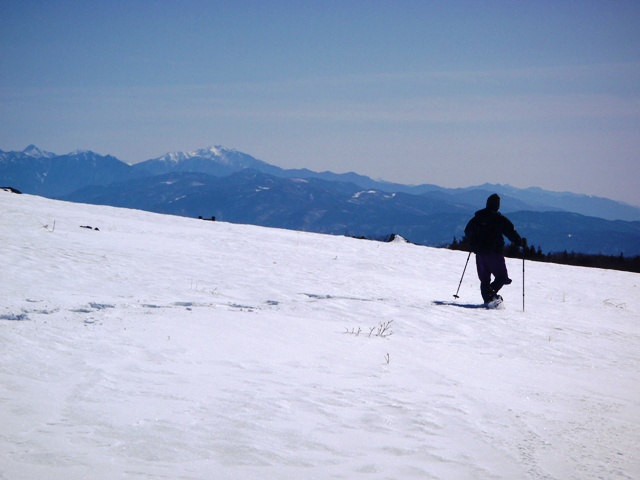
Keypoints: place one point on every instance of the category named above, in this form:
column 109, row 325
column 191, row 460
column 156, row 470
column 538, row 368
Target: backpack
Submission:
column 483, row 234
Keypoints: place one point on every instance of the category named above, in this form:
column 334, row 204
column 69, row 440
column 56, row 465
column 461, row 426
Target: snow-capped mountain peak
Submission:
column 216, row 151
column 213, row 153
column 214, row 160
column 35, row 152
column 173, row 157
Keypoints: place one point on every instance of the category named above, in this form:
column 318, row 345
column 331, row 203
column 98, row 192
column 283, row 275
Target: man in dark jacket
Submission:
column 485, row 233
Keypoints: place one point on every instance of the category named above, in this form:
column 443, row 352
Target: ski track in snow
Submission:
column 165, row 347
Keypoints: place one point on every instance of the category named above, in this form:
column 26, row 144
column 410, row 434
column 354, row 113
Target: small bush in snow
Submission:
column 382, row 330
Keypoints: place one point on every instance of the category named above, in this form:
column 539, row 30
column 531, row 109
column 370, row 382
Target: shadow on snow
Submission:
column 461, row 305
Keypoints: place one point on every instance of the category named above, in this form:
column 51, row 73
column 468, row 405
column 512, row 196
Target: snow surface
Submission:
column 167, row 347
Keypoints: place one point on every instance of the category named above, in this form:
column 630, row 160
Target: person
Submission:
column 485, row 232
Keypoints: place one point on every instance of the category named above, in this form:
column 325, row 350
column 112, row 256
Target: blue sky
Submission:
column 543, row 93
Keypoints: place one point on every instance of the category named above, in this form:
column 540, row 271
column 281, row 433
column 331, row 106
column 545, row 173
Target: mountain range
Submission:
column 235, row 187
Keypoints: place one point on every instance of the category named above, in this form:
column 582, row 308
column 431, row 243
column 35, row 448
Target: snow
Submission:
column 35, row 152
column 175, row 157
column 167, row 347
column 373, row 192
column 367, row 192
column 219, row 153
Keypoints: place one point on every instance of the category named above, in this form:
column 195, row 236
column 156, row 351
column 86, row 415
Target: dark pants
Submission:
column 491, row 264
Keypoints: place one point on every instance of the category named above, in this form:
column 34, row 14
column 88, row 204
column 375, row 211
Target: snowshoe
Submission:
column 496, row 303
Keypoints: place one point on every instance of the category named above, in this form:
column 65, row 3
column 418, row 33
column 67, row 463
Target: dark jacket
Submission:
column 486, row 229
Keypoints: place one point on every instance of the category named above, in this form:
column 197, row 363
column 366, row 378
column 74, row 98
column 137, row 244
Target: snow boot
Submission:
column 496, row 303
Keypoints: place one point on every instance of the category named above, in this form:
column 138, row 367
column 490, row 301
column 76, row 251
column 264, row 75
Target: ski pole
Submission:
column 523, row 281
column 465, row 269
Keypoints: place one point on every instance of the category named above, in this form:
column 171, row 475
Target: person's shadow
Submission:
column 460, row 305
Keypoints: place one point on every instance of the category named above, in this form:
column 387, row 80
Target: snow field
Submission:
column 161, row 346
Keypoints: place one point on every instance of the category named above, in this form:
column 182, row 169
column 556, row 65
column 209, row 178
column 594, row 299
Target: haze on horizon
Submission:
column 451, row 93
